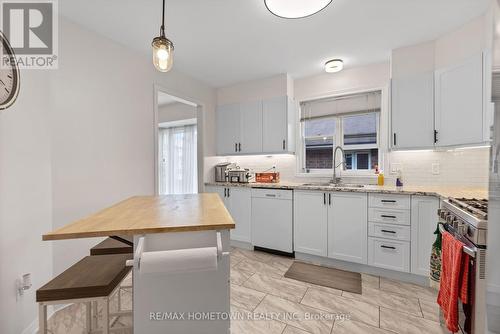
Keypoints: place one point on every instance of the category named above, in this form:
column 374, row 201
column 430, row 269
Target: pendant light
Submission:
column 163, row 48
column 295, row 9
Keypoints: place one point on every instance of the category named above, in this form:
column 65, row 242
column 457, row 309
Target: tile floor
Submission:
column 258, row 287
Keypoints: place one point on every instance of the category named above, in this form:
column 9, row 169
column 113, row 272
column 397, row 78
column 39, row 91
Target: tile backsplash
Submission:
column 460, row 167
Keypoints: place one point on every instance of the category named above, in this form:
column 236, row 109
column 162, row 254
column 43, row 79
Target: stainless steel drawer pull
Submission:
column 388, row 247
column 388, row 216
column 387, row 231
column 270, row 195
column 388, row 201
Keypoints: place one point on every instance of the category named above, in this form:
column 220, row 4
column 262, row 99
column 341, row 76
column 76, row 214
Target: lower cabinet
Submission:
column 238, row 202
column 423, row 225
column 347, row 226
column 310, row 222
column 331, row 224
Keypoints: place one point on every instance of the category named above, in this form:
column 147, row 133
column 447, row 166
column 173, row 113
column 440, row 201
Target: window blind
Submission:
column 347, row 104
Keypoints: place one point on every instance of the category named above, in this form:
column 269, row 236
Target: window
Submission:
column 351, row 122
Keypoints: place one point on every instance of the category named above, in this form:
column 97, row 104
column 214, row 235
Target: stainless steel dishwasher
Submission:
column 272, row 219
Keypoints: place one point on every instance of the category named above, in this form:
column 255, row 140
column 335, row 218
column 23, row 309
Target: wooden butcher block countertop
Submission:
column 151, row 214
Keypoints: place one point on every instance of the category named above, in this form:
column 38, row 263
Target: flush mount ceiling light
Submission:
column 334, row 65
column 295, row 9
column 163, row 48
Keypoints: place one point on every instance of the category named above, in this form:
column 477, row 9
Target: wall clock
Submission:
column 9, row 74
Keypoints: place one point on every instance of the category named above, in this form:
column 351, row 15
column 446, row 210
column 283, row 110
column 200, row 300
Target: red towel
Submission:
column 454, row 279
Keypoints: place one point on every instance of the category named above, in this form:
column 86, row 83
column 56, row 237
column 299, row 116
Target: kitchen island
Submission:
column 176, row 230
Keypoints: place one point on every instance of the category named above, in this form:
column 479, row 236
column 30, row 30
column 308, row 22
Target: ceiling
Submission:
column 221, row 42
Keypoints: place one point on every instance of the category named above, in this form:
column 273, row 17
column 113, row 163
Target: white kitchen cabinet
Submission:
column 228, row 119
column 347, row 226
column 264, row 126
column 238, row 202
column 310, row 222
column 423, row 224
column 412, row 111
column 272, row 219
column 459, row 113
column 251, row 128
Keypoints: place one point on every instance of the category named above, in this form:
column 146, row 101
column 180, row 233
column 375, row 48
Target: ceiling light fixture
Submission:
column 334, row 65
column 163, row 48
column 295, row 9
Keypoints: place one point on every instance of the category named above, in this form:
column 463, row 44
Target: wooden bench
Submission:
column 111, row 246
column 92, row 279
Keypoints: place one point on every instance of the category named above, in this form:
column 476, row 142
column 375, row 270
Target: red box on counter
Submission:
column 269, row 177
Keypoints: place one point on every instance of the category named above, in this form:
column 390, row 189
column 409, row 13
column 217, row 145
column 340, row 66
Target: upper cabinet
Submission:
column 413, row 111
column 444, row 107
column 264, row 126
column 459, row 103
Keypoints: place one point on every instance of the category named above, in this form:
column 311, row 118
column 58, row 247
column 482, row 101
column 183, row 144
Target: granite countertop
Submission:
column 151, row 214
column 438, row 191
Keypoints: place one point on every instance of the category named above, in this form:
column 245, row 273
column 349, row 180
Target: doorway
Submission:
column 177, row 142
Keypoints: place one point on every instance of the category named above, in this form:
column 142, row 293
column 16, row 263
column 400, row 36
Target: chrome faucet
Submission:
column 336, row 179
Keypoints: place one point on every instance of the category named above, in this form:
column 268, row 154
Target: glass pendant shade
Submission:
column 163, row 53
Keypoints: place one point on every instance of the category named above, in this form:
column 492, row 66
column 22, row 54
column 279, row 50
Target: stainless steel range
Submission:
column 467, row 220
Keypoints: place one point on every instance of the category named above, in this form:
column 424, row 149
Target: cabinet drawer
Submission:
column 390, row 201
column 389, row 231
column 389, row 254
column 401, row 217
column 272, row 193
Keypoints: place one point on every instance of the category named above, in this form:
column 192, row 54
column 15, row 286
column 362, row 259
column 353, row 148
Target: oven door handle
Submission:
column 467, row 250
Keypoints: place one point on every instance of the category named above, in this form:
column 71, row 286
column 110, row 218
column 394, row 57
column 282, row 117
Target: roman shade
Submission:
column 347, row 104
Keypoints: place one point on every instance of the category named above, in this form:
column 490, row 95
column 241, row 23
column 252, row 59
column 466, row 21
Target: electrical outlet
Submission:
column 436, row 168
column 395, row 167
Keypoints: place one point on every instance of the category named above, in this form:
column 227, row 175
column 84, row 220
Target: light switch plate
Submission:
column 395, row 166
column 436, row 168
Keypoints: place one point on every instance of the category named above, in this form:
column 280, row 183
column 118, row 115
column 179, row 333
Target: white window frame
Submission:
column 382, row 125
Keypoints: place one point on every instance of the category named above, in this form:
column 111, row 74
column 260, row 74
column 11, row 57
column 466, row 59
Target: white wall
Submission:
column 79, row 139
column 175, row 112
column 25, row 199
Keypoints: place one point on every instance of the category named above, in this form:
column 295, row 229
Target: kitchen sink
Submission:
column 334, row 185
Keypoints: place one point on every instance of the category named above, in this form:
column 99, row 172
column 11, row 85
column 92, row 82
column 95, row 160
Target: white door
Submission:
column 459, row 103
column 310, row 222
column 251, row 127
column 348, row 227
column 228, row 128
column 275, row 124
column 413, row 111
column 240, row 208
column 423, row 224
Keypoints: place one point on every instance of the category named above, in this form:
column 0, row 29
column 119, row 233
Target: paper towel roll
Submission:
column 179, row 261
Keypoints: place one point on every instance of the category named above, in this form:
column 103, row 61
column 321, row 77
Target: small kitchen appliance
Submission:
column 221, row 171
column 238, row 175
column 466, row 219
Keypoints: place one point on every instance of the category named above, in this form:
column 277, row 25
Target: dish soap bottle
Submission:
column 399, row 180
column 380, row 178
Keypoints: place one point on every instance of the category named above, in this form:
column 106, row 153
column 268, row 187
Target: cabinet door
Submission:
column 221, row 191
column 228, row 129
column 348, row 227
column 240, row 207
column 275, row 125
column 251, row 127
column 459, row 103
column 310, row 222
column 412, row 111
column 423, row 224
